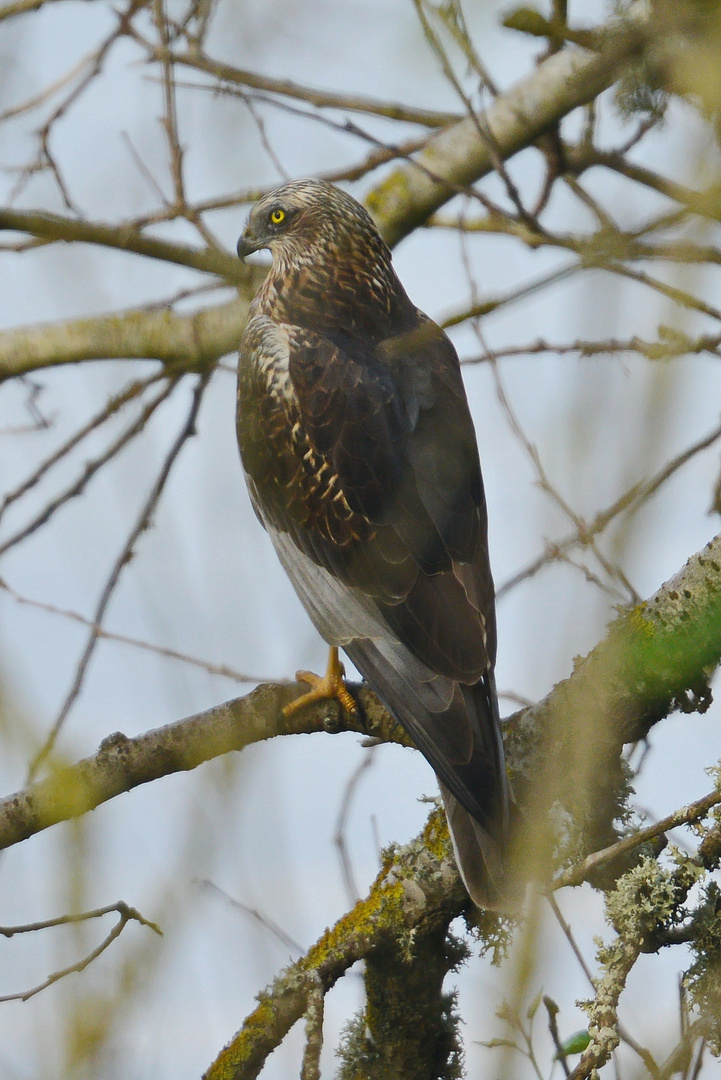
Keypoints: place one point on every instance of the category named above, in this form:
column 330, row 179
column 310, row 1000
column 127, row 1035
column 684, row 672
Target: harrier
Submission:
column 361, row 460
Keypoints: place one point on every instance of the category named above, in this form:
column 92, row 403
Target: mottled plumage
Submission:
column 361, row 460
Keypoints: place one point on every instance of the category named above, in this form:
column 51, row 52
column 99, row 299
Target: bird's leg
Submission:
column 330, row 685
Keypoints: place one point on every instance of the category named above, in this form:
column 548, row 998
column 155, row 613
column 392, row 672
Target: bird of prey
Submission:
column 361, row 461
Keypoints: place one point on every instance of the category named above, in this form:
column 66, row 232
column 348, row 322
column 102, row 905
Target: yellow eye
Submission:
column 277, row 216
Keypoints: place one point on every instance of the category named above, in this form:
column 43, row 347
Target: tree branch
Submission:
column 419, row 886
column 125, row 913
column 655, row 657
column 182, row 342
column 124, row 237
column 460, row 155
column 651, row 658
column 123, row 763
column 644, row 904
column 321, row 99
column 685, row 815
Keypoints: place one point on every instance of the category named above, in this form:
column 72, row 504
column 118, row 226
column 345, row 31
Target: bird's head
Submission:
column 305, row 221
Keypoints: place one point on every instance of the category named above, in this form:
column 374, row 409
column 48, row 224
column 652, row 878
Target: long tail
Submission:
column 479, row 856
column 458, row 731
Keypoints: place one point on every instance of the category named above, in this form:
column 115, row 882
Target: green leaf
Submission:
column 528, row 21
column 576, row 1043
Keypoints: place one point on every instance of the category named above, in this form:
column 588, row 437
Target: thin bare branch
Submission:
column 664, row 349
column 91, row 468
column 679, row 296
column 686, row 815
column 339, row 838
column 64, row 920
column 223, row 670
column 117, row 402
column 319, row 98
column 51, row 89
column 628, row 503
column 263, row 920
column 126, row 914
column 484, row 132
column 142, row 523
column 704, row 203
column 552, row 1010
column 487, row 307
column 170, row 118
column 614, row 573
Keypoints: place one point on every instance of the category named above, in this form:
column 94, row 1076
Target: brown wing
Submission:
column 365, row 471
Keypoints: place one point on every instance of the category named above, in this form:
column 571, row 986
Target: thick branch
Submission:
column 460, row 155
column 419, row 888
column 183, row 342
column 407, row 1029
column 655, row 657
column 122, row 763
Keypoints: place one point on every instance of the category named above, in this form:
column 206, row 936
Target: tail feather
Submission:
column 479, row 857
column 472, row 777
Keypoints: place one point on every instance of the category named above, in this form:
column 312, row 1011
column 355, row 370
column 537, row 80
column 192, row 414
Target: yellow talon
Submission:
column 329, row 686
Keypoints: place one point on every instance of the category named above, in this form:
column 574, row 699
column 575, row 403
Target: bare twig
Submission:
column 614, row 572
column 263, row 920
column 142, row 523
column 108, row 635
column 662, row 349
column 628, row 503
column 319, row 98
column 49, row 91
column 126, row 914
column 91, row 468
column 133, row 390
column 479, row 121
column 339, row 838
column 552, row 1010
column 170, row 118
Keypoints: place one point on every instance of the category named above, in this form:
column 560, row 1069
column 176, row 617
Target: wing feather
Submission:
column 362, row 465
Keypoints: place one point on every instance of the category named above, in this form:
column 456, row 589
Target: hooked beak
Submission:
column 248, row 243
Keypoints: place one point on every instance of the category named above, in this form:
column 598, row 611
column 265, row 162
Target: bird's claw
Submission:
column 330, row 686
